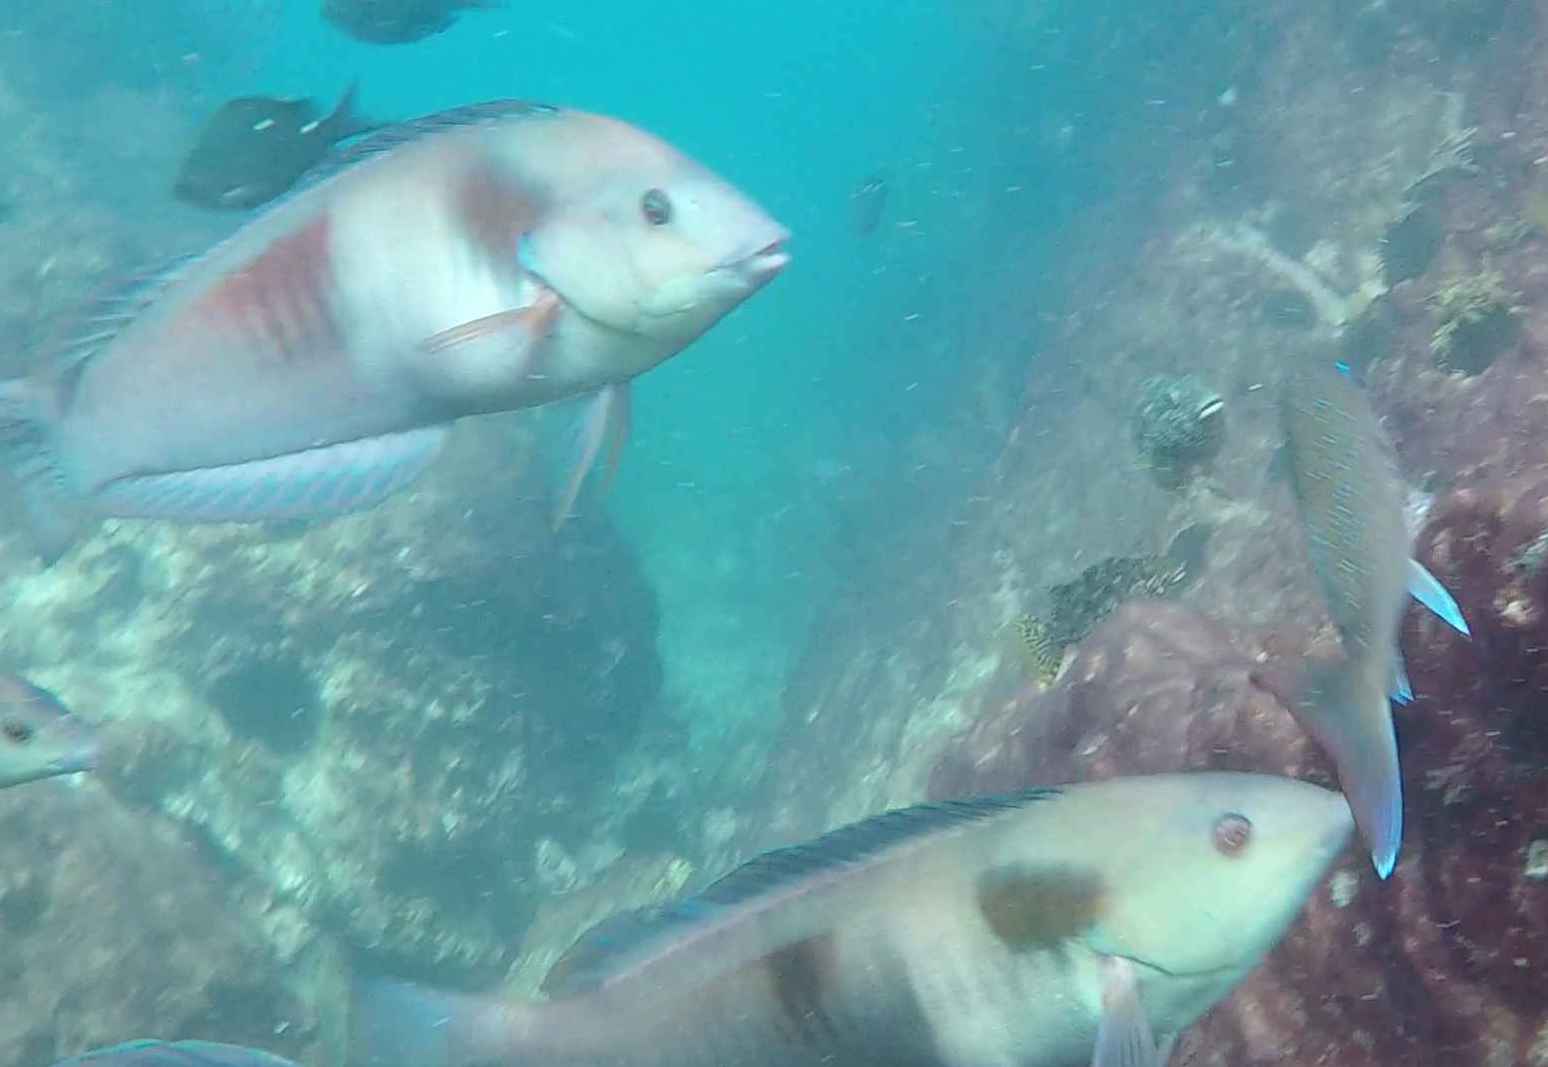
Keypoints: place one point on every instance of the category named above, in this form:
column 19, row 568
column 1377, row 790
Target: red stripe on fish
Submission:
column 494, row 212
column 281, row 298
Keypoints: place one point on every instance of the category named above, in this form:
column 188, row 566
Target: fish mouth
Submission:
column 82, row 759
column 761, row 264
column 1165, row 972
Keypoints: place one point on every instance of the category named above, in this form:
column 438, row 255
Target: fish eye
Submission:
column 1232, row 833
column 656, row 206
column 16, row 731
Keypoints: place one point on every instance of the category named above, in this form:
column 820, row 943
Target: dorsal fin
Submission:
column 117, row 306
column 387, row 138
column 616, row 943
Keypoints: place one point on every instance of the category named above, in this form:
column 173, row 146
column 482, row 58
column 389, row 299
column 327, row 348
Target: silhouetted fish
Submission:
column 1059, row 928
column 151, row 1053
column 398, row 21
column 490, row 258
column 867, row 203
column 39, row 738
column 255, row 148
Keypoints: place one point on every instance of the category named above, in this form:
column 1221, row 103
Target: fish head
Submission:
column 650, row 243
column 39, row 738
column 1208, row 870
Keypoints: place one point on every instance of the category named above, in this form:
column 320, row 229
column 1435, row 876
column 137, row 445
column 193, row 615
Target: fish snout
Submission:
column 759, row 264
column 83, row 757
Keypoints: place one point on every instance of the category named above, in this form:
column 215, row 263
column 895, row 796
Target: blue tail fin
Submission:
column 53, row 515
column 1427, row 589
column 1352, row 721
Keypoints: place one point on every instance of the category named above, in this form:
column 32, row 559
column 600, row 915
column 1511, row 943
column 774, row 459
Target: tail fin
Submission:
column 26, row 449
column 1352, row 721
column 399, row 1024
column 346, row 122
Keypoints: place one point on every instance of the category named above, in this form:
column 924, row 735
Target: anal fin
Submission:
column 607, row 422
column 1124, row 1038
column 319, row 482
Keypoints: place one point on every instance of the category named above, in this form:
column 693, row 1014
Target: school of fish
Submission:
column 508, row 255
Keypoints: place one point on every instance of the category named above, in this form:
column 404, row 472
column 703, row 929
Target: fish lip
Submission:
column 760, row 264
column 1156, row 968
column 82, row 759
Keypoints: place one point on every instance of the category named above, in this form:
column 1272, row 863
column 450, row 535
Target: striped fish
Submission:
column 1351, row 504
column 1088, row 924
column 490, row 258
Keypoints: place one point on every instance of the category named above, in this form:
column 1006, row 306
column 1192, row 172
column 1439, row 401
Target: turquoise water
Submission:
column 746, row 445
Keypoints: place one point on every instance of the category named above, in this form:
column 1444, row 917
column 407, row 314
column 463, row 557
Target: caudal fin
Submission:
column 1352, row 721
column 399, row 1024
column 54, row 516
column 346, row 121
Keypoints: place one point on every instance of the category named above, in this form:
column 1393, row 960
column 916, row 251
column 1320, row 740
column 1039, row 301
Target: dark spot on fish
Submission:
column 1031, row 908
column 17, row 732
column 656, row 206
column 271, row 700
column 800, row 974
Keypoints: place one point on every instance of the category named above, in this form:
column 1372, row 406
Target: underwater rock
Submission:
column 1442, row 965
column 114, row 925
column 378, row 717
column 1178, row 426
column 1476, row 319
column 1410, row 244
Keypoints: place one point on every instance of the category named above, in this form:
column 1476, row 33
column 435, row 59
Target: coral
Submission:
column 1178, row 425
column 1042, row 656
column 1476, row 318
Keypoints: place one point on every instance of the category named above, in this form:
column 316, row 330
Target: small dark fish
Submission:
column 398, row 21
column 39, row 738
column 867, row 202
column 152, row 1053
column 256, row 147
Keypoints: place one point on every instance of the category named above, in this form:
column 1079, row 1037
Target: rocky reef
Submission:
column 401, row 742
column 1406, row 238
column 1440, row 965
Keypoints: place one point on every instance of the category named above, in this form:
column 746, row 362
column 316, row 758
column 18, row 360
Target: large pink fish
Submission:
column 494, row 257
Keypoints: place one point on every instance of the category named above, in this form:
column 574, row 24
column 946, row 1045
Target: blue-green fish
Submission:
column 152, row 1053
column 495, row 257
column 1351, row 503
column 39, row 738
column 1059, row 928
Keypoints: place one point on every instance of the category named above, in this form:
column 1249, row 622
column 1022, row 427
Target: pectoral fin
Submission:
column 1124, row 1038
column 1427, row 589
column 496, row 353
column 607, row 422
